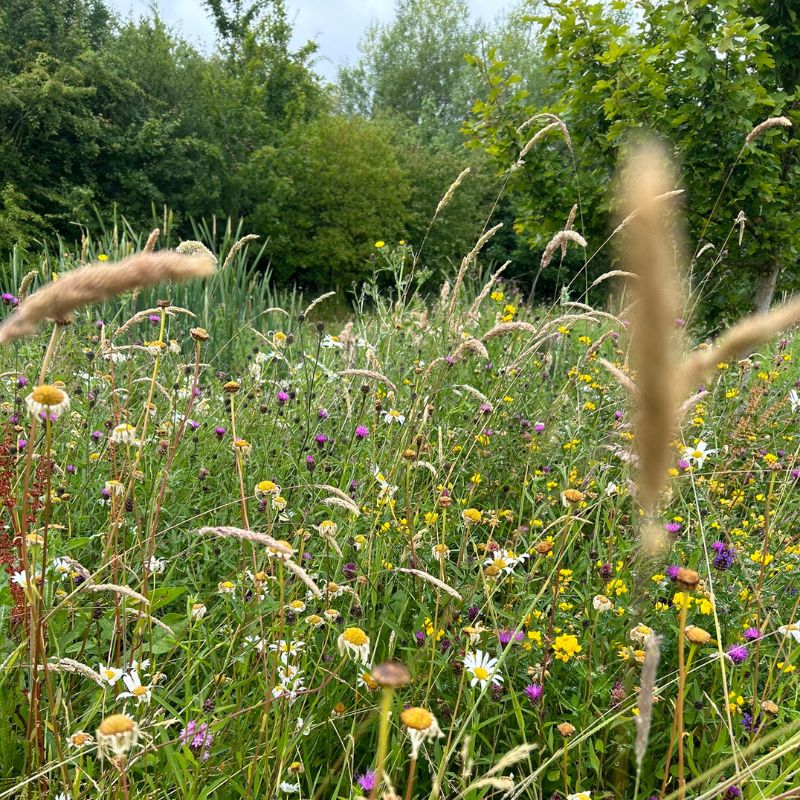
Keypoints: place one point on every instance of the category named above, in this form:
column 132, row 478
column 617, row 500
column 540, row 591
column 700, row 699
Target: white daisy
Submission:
column 697, row 454
column 482, row 669
column 792, row 629
column 135, row 688
column 48, row 400
column 393, row 416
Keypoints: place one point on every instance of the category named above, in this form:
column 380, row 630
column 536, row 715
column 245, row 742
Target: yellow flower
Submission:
column 566, row 646
column 380, row 243
column 102, row 257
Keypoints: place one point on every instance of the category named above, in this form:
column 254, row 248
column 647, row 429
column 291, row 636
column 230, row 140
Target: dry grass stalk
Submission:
column 471, row 346
column 304, row 576
column 367, row 373
column 503, row 328
column 647, row 685
column 621, row 378
column 157, row 622
column 473, row 391
column 326, row 487
column 558, row 241
column 551, row 117
column 150, row 244
column 190, row 247
column 472, row 314
column 125, row 591
column 614, row 273
column 315, row 303
column 448, row 195
column 430, row 579
column 649, row 251
column 467, row 260
column 633, row 214
column 230, row 532
column 97, row 282
column 512, row 757
column 772, row 122
column 25, row 284
column 237, row 247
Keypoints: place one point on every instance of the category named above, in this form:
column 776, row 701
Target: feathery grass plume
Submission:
column 367, row 373
column 472, row 314
column 75, row 667
column 559, row 240
column 741, row 219
column 647, row 685
column 470, row 346
column 632, row 216
column 150, row 244
column 125, row 591
column 467, row 260
column 614, row 273
column 649, row 251
column 190, row 247
column 621, row 378
column 772, row 122
column 25, row 284
column 537, row 137
column 326, row 487
column 157, row 622
column 511, row 757
column 740, row 339
column 347, row 505
column 471, row 390
column 251, row 237
column 170, row 311
column 502, row 328
column 97, row 282
column 552, row 117
column 315, row 303
column 430, row 579
column 448, row 195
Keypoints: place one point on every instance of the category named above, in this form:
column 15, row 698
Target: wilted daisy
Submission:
column 482, row 669
column 393, row 416
column 116, row 735
column 601, row 603
column 80, row 739
column 226, row 587
column 156, row 566
column 580, row 796
column 420, row 726
column 440, row 552
column 356, row 642
column 123, row 434
column 242, row 447
column 641, row 633
column 48, row 400
column 266, row 489
column 199, row 610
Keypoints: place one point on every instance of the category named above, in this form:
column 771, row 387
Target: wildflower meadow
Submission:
column 446, row 545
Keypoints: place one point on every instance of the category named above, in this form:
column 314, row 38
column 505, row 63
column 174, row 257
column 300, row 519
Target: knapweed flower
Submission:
column 282, row 397
column 752, row 634
column 737, row 653
column 534, row 692
column 393, row 416
column 198, row 738
column 565, row 647
column 356, row 642
column 725, row 555
column 420, row 726
column 367, row 780
column 697, row 454
column 48, row 400
column 482, row 669
column 362, row 431
column 116, row 735
column 123, row 433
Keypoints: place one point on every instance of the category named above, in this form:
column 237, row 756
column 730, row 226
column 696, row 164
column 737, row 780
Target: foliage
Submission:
column 612, row 74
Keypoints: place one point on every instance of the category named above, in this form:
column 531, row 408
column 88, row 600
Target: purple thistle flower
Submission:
column 420, row 637
column 617, row 414
column 323, row 413
column 472, row 613
column 310, row 463
column 282, row 397
column 752, row 634
column 97, row 435
column 220, row 431
column 672, row 571
column 22, row 381
column 506, row 635
column 725, row 555
column 367, row 780
column 672, row 527
column 71, row 469
column 350, row 570
column 486, row 408
column 14, row 419
column 683, row 465
column 22, row 444
column 732, row 793
column 538, row 426
column 193, row 424
column 362, row 431
column 534, row 692
column 738, row 653
column 321, row 439
column 449, row 360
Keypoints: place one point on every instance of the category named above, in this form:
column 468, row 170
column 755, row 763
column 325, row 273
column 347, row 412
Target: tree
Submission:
column 699, row 74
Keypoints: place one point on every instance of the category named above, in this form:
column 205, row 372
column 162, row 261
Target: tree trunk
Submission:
column 765, row 287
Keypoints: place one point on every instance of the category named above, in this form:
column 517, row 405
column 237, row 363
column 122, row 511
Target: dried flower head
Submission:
column 420, row 725
column 116, row 735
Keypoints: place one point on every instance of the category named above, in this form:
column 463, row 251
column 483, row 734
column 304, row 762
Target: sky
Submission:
column 336, row 25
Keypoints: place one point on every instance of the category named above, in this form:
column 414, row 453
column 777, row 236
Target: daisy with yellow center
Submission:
column 393, row 416
column 116, row 735
column 80, row 739
column 355, row 642
column 109, row 674
column 266, row 489
column 242, row 447
column 482, row 669
column 420, row 726
column 135, row 688
column 48, row 400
